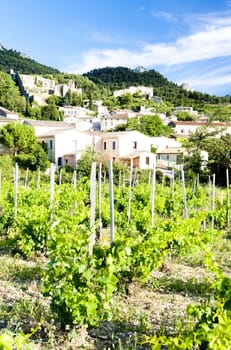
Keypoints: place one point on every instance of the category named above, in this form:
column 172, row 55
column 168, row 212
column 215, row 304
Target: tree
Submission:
column 10, row 96
column 84, row 163
column 18, row 137
column 149, row 125
column 193, row 164
column 23, row 143
column 219, row 150
column 50, row 112
column 37, row 159
column 184, row 116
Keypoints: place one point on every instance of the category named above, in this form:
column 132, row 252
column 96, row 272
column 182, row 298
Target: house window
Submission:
column 74, row 144
column 147, row 160
column 167, row 157
column 113, row 145
column 59, row 161
column 134, row 144
column 105, row 145
column 50, row 144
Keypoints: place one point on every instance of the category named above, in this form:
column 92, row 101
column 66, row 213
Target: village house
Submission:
column 190, row 110
column 126, row 146
column 114, row 120
column 8, row 114
column 170, row 157
column 65, row 146
column 142, row 90
column 43, row 126
column 186, row 128
column 81, row 117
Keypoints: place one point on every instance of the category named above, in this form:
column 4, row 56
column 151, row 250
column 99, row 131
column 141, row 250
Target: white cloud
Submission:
column 210, row 43
column 167, row 16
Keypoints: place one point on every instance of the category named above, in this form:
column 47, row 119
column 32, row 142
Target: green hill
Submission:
column 122, row 77
column 11, row 59
column 102, row 82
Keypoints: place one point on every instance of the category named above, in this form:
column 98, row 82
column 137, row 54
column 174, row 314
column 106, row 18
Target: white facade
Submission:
column 163, row 142
column 143, row 90
column 170, row 156
column 75, row 111
column 124, row 146
column 8, row 114
column 44, row 126
column 65, row 142
column 181, row 128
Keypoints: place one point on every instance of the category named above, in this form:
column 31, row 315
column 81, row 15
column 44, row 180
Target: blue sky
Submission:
column 186, row 41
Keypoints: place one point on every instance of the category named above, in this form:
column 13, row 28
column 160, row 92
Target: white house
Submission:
column 190, row 110
column 65, row 146
column 8, row 114
column 43, row 126
column 186, row 128
column 170, row 157
column 124, row 146
column 143, row 90
column 162, row 142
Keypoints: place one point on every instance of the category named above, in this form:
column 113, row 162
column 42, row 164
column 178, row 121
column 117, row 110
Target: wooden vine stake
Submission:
column 130, row 192
column 92, row 210
column 111, row 191
column 173, row 182
column 228, row 198
column 38, row 179
column 26, row 179
column 74, row 179
column 99, row 198
column 0, row 182
column 60, row 176
column 153, row 191
column 184, row 193
column 15, row 189
column 213, row 200
column 52, row 187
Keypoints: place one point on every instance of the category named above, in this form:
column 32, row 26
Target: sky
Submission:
column 186, row 41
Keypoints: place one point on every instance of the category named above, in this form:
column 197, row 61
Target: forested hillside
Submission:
column 122, row 77
column 100, row 84
column 11, row 59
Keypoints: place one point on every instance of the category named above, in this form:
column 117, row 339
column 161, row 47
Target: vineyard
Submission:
column 106, row 254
